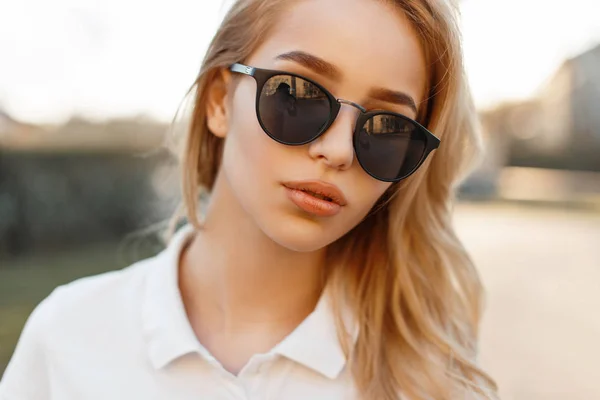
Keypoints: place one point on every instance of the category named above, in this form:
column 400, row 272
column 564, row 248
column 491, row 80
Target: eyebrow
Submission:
column 394, row 97
column 312, row 62
column 329, row 70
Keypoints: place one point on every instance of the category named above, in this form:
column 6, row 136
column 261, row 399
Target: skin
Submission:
column 254, row 272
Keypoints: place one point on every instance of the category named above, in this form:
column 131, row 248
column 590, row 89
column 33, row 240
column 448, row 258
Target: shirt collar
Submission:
column 166, row 327
column 169, row 335
column 315, row 342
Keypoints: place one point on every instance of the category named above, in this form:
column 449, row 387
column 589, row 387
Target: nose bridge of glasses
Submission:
column 353, row 104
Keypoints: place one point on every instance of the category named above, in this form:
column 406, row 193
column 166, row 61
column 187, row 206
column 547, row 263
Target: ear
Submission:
column 218, row 106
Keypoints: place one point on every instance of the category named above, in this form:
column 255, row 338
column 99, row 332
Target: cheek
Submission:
column 370, row 192
column 249, row 154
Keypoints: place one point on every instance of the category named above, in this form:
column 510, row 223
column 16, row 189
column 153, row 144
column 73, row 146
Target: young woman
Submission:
column 329, row 135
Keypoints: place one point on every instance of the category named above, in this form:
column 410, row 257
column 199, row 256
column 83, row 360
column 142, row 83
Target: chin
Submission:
column 301, row 234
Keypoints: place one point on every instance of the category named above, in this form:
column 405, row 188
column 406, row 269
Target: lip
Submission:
column 297, row 193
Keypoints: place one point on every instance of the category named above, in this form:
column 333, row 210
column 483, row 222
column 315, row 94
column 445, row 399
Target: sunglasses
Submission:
column 294, row 110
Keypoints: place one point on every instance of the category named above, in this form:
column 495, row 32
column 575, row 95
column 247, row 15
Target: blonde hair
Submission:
column 414, row 290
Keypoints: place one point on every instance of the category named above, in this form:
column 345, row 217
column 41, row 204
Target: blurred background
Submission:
column 87, row 92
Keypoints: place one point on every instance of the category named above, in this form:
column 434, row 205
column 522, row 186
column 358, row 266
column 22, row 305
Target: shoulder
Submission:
column 92, row 314
column 73, row 318
column 113, row 301
column 100, row 287
column 93, row 297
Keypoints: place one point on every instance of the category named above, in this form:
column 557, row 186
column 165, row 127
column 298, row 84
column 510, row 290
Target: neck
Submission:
column 234, row 278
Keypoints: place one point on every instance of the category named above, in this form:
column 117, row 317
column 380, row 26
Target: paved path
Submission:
column 541, row 268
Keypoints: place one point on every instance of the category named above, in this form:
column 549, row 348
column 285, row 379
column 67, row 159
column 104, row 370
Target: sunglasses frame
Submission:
column 261, row 76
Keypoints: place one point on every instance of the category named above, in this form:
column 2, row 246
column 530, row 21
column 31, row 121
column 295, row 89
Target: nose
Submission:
column 334, row 147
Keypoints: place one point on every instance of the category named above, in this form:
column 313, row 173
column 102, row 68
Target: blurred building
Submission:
column 560, row 127
column 551, row 143
column 569, row 105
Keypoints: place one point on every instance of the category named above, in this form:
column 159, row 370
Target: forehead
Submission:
column 372, row 43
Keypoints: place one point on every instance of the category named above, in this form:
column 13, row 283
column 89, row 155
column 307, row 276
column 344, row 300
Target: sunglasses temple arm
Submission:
column 242, row 69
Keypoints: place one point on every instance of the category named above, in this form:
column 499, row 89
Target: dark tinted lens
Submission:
column 293, row 110
column 390, row 147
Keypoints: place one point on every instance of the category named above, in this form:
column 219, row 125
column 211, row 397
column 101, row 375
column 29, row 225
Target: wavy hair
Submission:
column 413, row 289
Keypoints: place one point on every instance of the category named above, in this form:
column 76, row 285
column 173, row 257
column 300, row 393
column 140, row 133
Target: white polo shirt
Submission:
column 125, row 335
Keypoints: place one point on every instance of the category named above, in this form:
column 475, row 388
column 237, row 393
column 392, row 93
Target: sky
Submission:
column 115, row 58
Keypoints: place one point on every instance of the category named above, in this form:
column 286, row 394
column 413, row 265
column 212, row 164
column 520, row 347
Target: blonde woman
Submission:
column 329, row 135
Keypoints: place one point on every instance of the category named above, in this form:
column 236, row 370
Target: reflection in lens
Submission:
column 293, row 110
column 389, row 147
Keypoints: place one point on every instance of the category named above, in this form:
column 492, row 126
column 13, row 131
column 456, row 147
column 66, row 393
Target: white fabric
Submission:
column 125, row 335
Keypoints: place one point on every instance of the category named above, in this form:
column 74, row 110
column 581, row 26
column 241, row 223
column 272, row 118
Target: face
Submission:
column 362, row 48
